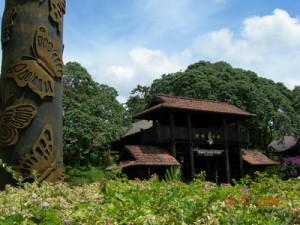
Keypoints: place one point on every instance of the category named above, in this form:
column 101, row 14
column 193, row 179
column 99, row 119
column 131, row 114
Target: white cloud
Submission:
column 121, row 73
column 143, row 66
column 223, row 44
column 268, row 45
column 292, row 82
column 279, row 29
column 154, row 63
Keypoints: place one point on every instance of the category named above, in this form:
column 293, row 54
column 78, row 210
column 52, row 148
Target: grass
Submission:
column 83, row 175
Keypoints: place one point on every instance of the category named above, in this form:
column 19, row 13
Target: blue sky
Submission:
column 123, row 43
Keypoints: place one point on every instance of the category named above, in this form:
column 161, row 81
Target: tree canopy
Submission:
column 296, row 104
column 92, row 117
column 137, row 103
column 275, row 106
column 296, row 98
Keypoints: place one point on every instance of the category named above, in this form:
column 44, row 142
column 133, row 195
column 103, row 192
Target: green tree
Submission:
column 137, row 102
column 296, row 98
column 93, row 117
column 296, row 104
column 271, row 102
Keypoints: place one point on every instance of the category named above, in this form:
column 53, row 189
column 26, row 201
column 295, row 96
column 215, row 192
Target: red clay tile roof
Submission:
column 165, row 101
column 148, row 155
column 254, row 157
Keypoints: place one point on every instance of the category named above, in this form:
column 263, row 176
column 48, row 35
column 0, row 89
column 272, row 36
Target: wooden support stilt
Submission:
column 227, row 166
column 172, row 127
column 240, row 153
column 191, row 152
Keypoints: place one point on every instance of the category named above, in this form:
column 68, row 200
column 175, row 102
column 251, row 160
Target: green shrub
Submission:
column 83, row 175
column 264, row 200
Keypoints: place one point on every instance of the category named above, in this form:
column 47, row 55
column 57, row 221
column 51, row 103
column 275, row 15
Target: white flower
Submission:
column 34, row 195
column 45, row 204
column 214, row 208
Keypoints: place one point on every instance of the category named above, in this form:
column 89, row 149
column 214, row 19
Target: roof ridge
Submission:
column 200, row 105
column 195, row 99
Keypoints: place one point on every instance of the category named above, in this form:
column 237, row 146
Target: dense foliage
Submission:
column 120, row 201
column 275, row 106
column 296, row 104
column 296, row 98
column 136, row 102
column 92, row 117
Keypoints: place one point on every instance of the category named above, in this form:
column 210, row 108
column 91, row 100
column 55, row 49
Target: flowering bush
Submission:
column 265, row 200
column 291, row 167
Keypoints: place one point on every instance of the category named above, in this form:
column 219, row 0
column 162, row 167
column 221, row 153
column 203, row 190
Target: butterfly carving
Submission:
column 13, row 118
column 42, row 159
column 38, row 72
column 7, row 24
column 57, row 10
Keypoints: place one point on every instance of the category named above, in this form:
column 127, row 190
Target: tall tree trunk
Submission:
column 31, row 89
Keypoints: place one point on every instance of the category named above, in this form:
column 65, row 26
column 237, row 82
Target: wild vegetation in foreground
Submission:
column 117, row 200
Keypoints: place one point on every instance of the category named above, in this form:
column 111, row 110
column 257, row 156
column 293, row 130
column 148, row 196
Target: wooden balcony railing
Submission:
column 162, row 134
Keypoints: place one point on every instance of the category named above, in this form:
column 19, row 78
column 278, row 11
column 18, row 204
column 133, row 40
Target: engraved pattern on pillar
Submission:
column 37, row 72
column 42, row 159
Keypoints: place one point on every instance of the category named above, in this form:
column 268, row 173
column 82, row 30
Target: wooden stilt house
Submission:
column 199, row 134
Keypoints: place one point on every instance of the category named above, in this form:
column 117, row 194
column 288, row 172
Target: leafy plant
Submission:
column 122, row 201
column 17, row 177
column 173, row 174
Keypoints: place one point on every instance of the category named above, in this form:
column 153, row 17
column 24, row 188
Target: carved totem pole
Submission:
column 31, row 89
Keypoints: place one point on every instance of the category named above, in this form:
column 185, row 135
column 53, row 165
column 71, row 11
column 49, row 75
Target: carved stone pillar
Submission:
column 31, row 89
